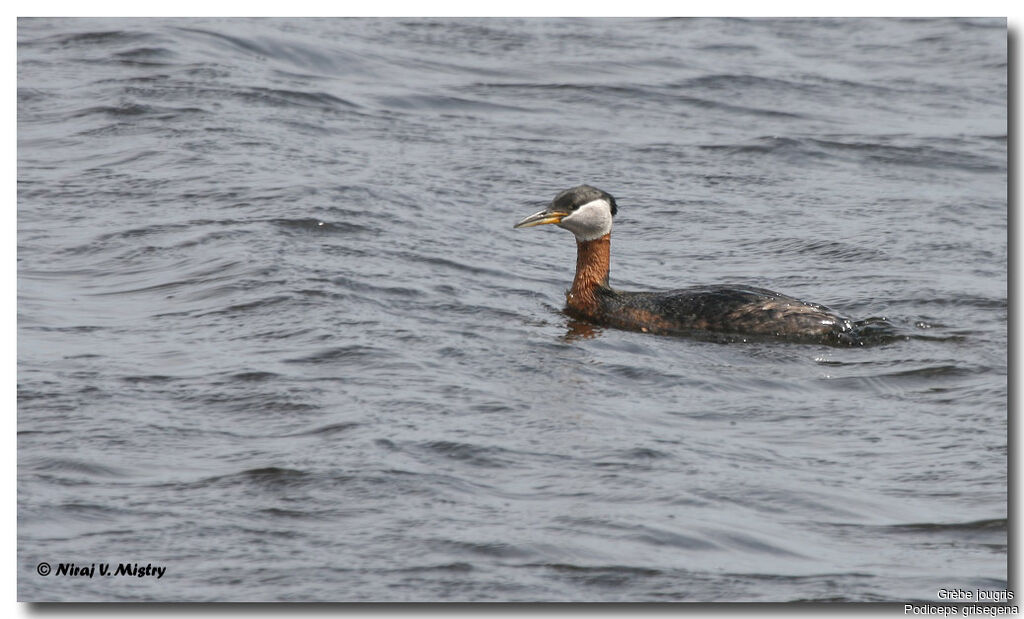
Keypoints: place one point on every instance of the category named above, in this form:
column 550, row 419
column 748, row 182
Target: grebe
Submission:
column 723, row 310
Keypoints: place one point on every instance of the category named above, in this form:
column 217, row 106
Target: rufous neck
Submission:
column 593, row 259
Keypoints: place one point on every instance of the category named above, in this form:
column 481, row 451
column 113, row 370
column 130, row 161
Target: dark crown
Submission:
column 571, row 199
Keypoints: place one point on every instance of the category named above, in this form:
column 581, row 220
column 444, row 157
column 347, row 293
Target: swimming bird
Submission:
column 734, row 311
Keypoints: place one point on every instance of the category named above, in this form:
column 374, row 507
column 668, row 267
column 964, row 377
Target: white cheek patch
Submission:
column 590, row 221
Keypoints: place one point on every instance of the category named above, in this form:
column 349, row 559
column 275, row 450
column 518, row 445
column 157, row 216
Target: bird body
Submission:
column 721, row 310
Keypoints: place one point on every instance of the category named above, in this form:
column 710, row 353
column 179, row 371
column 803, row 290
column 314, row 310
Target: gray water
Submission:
column 278, row 337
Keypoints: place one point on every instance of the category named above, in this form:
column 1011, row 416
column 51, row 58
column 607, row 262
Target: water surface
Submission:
column 276, row 332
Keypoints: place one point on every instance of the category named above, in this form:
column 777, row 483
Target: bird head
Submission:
column 585, row 211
